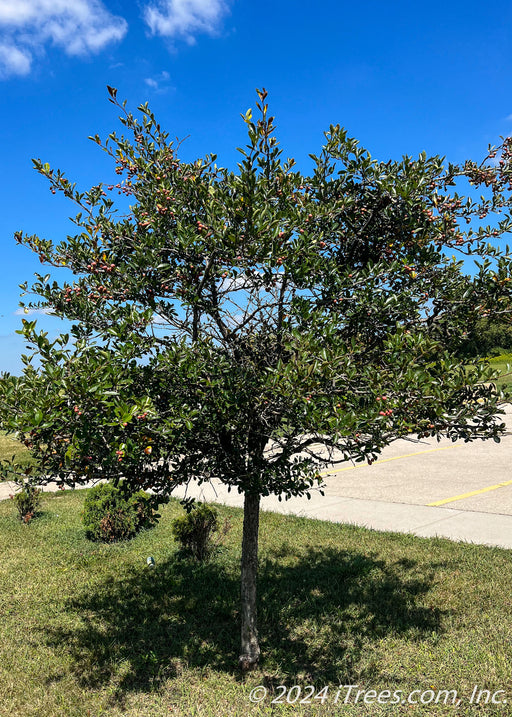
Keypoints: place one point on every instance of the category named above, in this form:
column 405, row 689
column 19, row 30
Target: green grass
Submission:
column 88, row 629
column 10, row 447
column 503, row 364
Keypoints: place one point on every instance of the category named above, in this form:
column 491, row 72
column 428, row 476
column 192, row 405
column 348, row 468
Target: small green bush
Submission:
column 194, row 531
column 110, row 514
column 27, row 501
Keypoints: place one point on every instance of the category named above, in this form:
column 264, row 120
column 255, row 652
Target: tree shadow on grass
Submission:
column 318, row 612
column 321, row 615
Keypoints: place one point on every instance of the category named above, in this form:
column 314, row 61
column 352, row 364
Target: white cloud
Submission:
column 159, row 83
column 79, row 27
column 185, row 18
column 33, row 312
column 14, row 61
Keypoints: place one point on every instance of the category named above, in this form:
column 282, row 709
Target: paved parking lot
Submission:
column 474, row 476
column 461, row 491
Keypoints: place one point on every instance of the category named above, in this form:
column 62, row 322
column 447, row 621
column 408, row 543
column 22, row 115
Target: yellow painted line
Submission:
column 473, row 492
column 386, row 460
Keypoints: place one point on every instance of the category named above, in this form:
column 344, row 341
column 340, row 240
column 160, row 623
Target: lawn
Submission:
column 89, row 629
column 9, row 447
column 503, row 364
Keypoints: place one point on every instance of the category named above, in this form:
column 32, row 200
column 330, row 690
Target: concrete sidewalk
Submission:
column 7, row 489
column 422, row 520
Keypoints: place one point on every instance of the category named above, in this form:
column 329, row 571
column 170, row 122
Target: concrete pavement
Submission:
column 453, row 490
column 422, row 520
column 8, row 489
column 461, row 491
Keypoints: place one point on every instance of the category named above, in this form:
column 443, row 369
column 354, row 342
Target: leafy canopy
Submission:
column 255, row 324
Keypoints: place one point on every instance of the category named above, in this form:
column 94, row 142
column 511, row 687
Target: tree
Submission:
column 488, row 336
column 258, row 324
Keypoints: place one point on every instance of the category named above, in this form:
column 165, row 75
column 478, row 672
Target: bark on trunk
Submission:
column 250, row 650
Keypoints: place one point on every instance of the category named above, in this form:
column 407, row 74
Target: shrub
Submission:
column 111, row 514
column 27, row 501
column 194, row 531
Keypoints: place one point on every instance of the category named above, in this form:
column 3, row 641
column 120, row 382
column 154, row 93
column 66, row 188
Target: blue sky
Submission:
column 402, row 77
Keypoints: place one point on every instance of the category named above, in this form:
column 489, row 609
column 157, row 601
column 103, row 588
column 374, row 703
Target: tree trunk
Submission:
column 250, row 650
